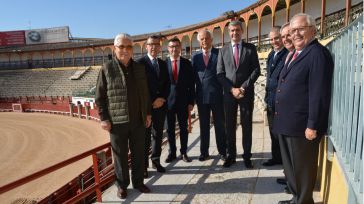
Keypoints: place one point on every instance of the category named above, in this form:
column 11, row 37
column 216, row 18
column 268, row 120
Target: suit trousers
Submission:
column 182, row 116
column 204, row 111
column 300, row 157
column 276, row 152
column 124, row 137
column 154, row 135
column 246, row 118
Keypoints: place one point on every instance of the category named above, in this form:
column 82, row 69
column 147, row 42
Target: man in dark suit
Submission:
column 238, row 69
column 180, row 100
column 209, row 96
column 302, row 108
column 275, row 63
column 159, row 84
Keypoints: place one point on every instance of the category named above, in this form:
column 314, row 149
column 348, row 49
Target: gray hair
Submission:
column 120, row 36
column 236, row 23
column 275, row 29
column 309, row 19
column 284, row 25
column 203, row 31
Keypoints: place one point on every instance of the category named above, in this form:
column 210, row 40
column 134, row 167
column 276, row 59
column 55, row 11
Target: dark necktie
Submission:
column 155, row 65
column 236, row 55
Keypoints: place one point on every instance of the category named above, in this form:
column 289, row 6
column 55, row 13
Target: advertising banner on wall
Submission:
column 48, row 35
column 12, row 38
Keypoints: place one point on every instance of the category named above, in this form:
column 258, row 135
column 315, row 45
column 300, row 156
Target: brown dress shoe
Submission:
column 143, row 189
column 185, row 158
column 122, row 193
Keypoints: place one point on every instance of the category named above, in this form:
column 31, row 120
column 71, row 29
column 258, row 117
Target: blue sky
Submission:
column 106, row 18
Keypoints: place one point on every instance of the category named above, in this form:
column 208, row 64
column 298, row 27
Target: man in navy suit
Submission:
column 275, row 63
column 209, row 96
column 238, row 69
column 180, row 100
column 302, row 108
column 159, row 84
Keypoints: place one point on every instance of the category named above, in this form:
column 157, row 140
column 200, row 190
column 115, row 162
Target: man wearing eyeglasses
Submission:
column 123, row 103
column 159, row 85
column 180, row 100
column 302, row 108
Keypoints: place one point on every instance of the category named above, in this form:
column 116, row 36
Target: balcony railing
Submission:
column 346, row 112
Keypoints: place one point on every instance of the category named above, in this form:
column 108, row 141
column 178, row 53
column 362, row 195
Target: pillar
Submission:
column 323, row 13
column 347, row 12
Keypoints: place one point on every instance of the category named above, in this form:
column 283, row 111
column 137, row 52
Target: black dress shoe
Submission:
column 271, row 162
column 286, row 190
column 170, row 158
column 248, row 164
column 203, row 157
column 281, row 181
column 185, row 158
column 286, row 202
column 122, row 193
column 143, row 189
column 158, row 166
column 228, row 162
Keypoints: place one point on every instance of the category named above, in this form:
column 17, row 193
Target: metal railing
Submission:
column 346, row 111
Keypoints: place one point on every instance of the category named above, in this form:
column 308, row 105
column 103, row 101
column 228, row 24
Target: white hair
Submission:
column 203, row 31
column 309, row 19
column 120, row 36
column 283, row 26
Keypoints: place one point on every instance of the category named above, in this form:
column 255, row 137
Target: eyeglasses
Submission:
column 153, row 44
column 299, row 29
column 128, row 47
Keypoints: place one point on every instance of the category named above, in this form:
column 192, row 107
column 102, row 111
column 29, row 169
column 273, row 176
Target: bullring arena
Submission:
column 42, row 85
column 33, row 141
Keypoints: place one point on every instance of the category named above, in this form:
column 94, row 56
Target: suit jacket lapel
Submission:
column 304, row 52
column 242, row 52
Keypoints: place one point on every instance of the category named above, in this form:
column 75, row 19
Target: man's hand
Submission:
column 158, row 102
column 190, row 107
column 310, row 134
column 106, row 125
column 148, row 121
column 236, row 93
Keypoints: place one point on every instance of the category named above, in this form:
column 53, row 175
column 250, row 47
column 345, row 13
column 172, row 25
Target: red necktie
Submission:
column 288, row 56
column 293, row 58
column 236, row 55
column 175, row 70
column 206, row 58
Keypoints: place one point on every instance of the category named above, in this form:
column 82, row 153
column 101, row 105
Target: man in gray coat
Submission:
column 237, row 70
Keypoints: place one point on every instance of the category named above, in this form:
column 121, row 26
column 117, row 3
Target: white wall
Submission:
column 313, row 7
column 294, row 9
column 334, row 5
column 253, row 28
column 280, row 17
column 266, row 24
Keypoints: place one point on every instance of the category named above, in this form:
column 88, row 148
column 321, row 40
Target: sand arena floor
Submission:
column 33, row 141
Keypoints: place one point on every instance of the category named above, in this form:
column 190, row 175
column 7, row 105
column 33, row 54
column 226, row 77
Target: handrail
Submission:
column 31, row 177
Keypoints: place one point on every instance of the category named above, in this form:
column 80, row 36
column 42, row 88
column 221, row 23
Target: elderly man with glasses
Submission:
column 302, row 108
column 123, row 104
